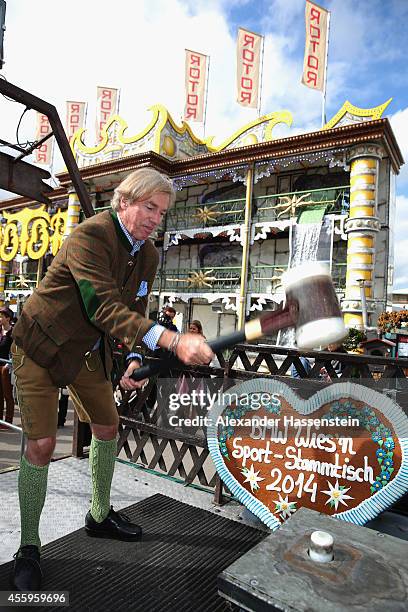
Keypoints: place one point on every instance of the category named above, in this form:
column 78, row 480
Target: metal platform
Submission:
column 174, row 567
column 68, row 499
column 369, row 571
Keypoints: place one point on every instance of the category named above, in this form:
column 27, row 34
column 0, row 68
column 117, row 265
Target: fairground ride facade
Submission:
column 246, row 210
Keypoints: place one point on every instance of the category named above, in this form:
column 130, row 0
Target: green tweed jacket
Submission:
column 93, row 289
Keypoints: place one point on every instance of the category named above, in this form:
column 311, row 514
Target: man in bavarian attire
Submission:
column 96, row 288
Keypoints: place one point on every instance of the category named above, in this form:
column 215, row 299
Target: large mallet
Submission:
column 311, row 306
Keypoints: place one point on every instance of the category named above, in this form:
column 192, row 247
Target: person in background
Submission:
column 196, row 328
column 6, row 389
column 305, row 363
column 166, row 318
column 338, row 366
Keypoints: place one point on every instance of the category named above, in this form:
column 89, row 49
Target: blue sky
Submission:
column 63, row 50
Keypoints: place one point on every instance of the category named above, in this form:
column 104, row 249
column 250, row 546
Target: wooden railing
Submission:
column 147, row 438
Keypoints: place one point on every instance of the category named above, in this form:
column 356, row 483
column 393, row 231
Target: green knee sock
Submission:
column 32, row 489
column 102, row 461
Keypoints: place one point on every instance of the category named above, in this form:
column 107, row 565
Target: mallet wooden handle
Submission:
column 265, row 324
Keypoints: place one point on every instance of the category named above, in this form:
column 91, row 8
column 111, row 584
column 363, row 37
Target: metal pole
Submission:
column 325, row 73
column 261, row 76
column 52, row 163
column 206, row 95
column 115, row 129
column 361, row 282
column 10, row 425
column 39, row 271
column 189, row 311
column 245, row 239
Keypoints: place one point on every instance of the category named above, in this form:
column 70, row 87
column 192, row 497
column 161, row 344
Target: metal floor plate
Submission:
column 68, row 499
column 173, row 568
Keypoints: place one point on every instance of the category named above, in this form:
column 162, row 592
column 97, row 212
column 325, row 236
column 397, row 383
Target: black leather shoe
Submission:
column 116, row 526
column 27, row 574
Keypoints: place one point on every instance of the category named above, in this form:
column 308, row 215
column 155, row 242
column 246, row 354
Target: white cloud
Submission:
column 399, row 123
column 401, row 243
column 62, row 50
column 139, row 48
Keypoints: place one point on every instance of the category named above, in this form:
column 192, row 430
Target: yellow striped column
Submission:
column 361, row 228
column 3, row 272
column 74, row 208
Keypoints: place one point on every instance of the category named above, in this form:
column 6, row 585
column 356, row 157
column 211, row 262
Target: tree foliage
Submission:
column 354, row 338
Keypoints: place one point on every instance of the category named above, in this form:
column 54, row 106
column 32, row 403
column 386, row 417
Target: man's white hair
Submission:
column 141, row 184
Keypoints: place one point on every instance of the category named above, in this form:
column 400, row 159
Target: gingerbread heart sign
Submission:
column 343, row 451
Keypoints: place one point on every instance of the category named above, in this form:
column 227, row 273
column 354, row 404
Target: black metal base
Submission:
column 174, row 567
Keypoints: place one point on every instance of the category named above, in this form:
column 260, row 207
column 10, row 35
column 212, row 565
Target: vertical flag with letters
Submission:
column 248, row 65
column 43, row 155
column 75, row 117
column 195, row 86
column 314, row 63
column 107, row 104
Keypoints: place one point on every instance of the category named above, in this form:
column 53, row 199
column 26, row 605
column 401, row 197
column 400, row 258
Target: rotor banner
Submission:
column 248, row 65
column 43, row 154
column 75, row 117
column 107, row 104
column 314, row 63
column 195, row 77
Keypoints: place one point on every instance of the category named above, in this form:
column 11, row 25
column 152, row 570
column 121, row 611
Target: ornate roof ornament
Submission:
column 163, row 136
column 349, row 114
